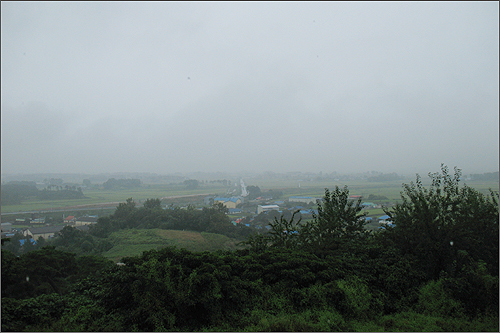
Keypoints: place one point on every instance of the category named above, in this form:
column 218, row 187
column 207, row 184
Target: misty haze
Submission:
column 250, row 166
column 249, row 87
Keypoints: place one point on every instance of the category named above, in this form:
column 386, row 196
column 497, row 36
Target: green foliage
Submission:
column 330, row 276
column 435, row 300
column 307, row 321
column 272, row 290
column 486, row 176
column 384, row 177
column 410, row 321
column 89, row 265
column 256, row 242
column 358, row 302
column 253, row 192
column 37, row 272
column 116, row 184
column 124, row 210
column 284, row 233
column 434, row 224
column 191, row 184
column 62, row 194
column 14, row 244
column 79, row 242
column 31, row 314
column 152, row 204
column 339, row 222
column 474, row 288
column 128, row 216
column 85, row 315
column 390, row 274
column 15, row 191
column 103, row 228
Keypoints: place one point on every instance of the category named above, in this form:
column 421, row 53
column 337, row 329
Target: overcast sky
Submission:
column 183, row 87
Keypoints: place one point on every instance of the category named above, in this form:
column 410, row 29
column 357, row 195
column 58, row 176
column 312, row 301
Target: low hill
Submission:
column 132, row 242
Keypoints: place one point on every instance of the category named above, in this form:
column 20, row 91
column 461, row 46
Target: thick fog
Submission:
column 185, row 87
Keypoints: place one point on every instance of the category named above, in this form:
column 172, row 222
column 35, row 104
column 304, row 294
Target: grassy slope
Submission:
column 133, row 242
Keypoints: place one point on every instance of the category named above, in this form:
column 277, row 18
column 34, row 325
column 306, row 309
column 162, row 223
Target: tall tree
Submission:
column 191, row 184
column 339, row 221
column 434, row 224
column 152, row 204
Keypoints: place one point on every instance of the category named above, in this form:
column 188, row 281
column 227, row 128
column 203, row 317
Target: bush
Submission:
column 307, row 321
column 358, row 300
column 416, row 322
column 435, row 300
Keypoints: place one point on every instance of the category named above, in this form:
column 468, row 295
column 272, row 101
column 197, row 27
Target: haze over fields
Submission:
column 185, row 87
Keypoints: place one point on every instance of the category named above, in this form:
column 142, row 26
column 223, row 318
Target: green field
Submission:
column 133, row 242
column 289, row 188
column 390, row 189
column 97, row 196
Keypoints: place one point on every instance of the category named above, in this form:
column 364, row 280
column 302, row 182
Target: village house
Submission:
column 40, row 220
column 69, row 219
column 228, row 202
column 44, row 232
column 385, row 219
column 267, row 208
column 86, row 220
column 307, row 200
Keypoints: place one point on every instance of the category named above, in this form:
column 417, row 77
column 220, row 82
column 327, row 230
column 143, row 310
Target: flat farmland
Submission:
column 102, row 198
column 98, row 198
column 390, row 189
column 317, row 188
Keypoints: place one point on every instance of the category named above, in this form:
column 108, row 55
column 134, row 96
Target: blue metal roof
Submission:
column 309, row 211
column 233, row 199
column 22, row 241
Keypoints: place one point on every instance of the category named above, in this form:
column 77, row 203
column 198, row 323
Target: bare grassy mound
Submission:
column 180, row 235
column 132, row 242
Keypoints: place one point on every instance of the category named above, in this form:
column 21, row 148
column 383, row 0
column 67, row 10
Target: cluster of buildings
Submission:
column 46, row 232
column 233, row 203
column 37, row 227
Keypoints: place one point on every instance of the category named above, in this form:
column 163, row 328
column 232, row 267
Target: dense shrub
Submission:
column 435, row 299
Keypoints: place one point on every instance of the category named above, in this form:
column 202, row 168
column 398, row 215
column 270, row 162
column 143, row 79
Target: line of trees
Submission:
column 117, row 184
column 14, row 192
column 151, row 215
column 488, row 176
column 384, row 177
